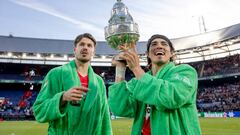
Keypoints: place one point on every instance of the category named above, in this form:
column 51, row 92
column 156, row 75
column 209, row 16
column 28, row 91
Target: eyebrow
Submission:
column 162, row 42
column 165, row 42
column 154, row 42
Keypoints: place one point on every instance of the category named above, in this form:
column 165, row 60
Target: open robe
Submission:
column 171, row 95
column 90, row 118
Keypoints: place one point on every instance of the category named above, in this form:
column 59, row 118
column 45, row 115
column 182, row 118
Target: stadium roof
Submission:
column 34, row 45
column 206, row 46
column 207, row 38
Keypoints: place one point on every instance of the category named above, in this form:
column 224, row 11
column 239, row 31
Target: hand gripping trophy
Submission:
column 121, row 32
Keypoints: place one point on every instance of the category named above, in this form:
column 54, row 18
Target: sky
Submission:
column 65, row 19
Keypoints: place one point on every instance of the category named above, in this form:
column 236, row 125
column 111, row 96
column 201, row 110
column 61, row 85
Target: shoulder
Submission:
column 99, row 78
column 56, row 71
column 61, row 68
column 183, row 70
column 184, row 67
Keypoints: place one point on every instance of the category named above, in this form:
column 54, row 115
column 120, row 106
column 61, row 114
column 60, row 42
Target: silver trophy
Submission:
column 121, row 31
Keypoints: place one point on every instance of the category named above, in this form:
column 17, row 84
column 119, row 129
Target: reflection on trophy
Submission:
column 121, row 31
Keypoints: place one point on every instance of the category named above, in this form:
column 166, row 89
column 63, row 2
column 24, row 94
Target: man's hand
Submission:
column 133, row 61
column 118, row 63
column 74, row 94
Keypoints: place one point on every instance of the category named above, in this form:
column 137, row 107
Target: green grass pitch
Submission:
column 209, row 126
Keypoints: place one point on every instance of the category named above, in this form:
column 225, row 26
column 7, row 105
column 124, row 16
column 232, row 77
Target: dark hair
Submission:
column 84, row 35
column 149, row 43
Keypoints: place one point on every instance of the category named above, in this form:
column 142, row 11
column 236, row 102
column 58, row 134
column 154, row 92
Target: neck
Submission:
column 156, row 68
column 82, row 68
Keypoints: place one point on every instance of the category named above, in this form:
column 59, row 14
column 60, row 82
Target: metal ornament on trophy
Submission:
column 121, row 32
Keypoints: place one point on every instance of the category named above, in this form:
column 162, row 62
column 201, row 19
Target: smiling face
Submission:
column 159, row 52
column 84, row 50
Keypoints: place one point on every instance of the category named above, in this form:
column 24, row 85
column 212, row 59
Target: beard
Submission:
column 160, row 61
column 83, row 60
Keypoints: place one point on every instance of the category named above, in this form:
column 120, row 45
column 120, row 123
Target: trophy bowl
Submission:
column 121, row 31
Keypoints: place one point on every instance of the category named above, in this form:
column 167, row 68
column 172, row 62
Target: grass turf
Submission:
column 209, row 126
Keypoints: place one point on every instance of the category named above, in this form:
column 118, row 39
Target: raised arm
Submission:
column 120, row 99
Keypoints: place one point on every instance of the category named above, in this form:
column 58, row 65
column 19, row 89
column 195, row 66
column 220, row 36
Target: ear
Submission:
column 94, row 51
column 173, row 56
column 147, row 53
column 74, row 50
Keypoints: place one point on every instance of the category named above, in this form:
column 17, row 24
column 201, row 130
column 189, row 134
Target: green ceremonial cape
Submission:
column 90, row 118
column 171, row 95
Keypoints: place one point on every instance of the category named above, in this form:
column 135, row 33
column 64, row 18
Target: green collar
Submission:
column 163, row 70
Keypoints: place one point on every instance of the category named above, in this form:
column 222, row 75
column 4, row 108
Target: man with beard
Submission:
column 72, row 97
column 161, row 101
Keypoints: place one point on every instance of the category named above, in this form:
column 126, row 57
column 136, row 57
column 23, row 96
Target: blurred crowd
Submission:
column 226, row 65
column 18, row 107
column 221, row 98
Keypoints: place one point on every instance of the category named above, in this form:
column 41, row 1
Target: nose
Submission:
column 159, row 46
column 85, row 47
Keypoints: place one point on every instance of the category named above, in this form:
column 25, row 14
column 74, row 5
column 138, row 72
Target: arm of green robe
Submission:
column 47, row 105
column 120, row 99
column 175, row 90
column 106, row 122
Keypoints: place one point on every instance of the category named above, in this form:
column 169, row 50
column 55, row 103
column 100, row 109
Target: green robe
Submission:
column 171, row 95
column 90, row 118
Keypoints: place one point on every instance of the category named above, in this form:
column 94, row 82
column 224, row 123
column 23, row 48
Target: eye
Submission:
column 90, row 45
column 81, row 44
column 164, row 43
column 153, row 44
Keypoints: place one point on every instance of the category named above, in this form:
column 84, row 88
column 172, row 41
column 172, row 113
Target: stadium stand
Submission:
column 219, row 98
column 24, row 63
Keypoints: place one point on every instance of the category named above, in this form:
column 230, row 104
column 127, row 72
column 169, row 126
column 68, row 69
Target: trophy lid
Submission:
column 121, row 21
column 120, row 14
